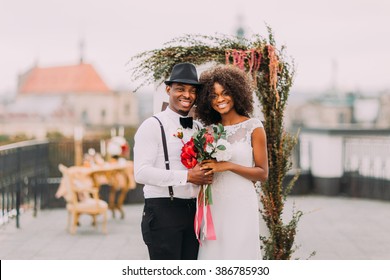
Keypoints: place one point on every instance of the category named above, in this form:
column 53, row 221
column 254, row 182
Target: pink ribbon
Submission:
column 203, row 214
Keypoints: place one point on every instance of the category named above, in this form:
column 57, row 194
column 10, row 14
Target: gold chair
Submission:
column 81, row 198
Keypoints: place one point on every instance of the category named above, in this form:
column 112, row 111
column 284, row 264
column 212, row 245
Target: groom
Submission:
column 170, row 189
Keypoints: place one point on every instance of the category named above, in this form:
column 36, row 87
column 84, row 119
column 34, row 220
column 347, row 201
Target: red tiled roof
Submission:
column 64, row 79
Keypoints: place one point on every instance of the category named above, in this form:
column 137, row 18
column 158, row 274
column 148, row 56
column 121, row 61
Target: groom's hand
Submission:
column 198, row 177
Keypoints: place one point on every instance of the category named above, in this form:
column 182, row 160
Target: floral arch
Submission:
column 272, row 75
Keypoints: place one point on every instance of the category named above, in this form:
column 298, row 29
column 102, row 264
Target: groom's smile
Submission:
column 181, row 97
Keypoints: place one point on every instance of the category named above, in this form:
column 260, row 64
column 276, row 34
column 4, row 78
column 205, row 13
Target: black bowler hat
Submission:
column 184, row 73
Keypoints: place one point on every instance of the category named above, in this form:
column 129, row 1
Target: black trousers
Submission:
column 168, row 229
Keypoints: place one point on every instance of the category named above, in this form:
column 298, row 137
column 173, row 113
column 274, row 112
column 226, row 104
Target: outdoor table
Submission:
column 119, row 175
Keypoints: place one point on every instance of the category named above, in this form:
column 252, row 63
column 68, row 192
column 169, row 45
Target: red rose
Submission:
column 189, row 163
column 189, row 154
column 209, row 139
column 189, row 148
column 124, row 148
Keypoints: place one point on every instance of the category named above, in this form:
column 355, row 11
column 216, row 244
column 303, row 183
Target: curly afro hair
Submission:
column 237, row 84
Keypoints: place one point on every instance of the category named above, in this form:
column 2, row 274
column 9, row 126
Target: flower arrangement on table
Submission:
column 207, row 143
column 118, row 147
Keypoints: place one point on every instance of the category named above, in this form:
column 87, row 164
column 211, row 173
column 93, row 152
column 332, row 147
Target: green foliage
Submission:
column 9, row 139
column 156, row 65
column 4, row 139
column 204, row 138
column 54, row 135
column 272, row 76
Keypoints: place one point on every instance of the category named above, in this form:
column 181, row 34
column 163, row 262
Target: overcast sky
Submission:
column 351, row 35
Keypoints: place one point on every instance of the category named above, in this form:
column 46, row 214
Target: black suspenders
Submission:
column 164, row 141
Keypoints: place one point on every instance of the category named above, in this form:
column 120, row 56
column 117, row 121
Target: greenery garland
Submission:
column 272, row 76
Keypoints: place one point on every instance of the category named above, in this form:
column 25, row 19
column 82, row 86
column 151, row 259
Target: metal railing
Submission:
column 29, row 176
column 23, row 169
column 367, row 167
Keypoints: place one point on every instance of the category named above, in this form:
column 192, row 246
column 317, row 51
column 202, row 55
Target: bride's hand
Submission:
column 212, row 166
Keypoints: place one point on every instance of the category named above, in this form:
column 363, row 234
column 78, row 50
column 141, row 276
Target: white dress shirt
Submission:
column 149, row 162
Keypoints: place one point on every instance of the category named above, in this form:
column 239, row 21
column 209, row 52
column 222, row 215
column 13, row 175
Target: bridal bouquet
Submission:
column 207, row 143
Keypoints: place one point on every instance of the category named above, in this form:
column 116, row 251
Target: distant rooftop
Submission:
column 80, row 78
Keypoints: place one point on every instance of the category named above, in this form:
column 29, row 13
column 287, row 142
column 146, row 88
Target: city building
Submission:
column 344, row 144
column 62, row 98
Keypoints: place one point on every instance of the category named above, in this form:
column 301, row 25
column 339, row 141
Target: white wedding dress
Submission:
column 235, row 208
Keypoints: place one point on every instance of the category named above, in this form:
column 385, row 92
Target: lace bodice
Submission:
column 240, row 138
column 242, row 132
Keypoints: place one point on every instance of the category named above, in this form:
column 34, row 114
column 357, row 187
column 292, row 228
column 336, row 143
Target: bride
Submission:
column 226, row 98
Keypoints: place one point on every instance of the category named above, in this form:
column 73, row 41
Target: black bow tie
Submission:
column 186, row 122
